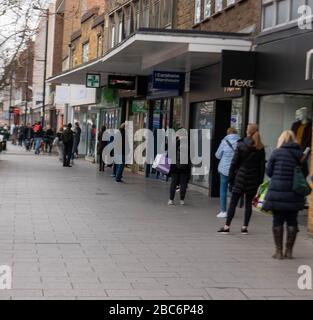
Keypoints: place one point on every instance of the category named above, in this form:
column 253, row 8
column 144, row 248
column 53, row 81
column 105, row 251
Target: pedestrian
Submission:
column 77, row 137
column 100, row 147
column 48, row 139
column 225, row 154
column 180, row 170
column 245, row 176
column 21, row 135
column 68, row 140
column 281, row 199
column 119, row 167
column 38, row 135
column 28, row 136
column 58, row 142
column 14, row 134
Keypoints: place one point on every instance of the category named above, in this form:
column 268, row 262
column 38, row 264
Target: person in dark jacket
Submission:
column 48, row 139
column 100, row 147
column 180, row 171
column 28, row 136
column 120, row 166
column 246, row 174
column 68, row 140
column 38, row 135
column 281, row 199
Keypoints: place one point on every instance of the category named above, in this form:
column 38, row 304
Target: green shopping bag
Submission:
column 259, row 199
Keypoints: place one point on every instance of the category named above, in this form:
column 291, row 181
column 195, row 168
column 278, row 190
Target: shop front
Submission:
column 284, row 89
column 284, row 86
column 216, row 109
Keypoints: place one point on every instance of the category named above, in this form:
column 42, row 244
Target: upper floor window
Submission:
column 207, row 8
column 145, row 13
column 86, row 52
column 166, row 13
column 218, row 5
column 112, row 35
column 198, row 9
column 230, row 2
column 99, row 45
column 280, row 12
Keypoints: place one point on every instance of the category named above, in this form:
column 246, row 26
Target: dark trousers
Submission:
column 101, row 162
column 179, row 179
column 233, row 205
column 67, row 155
column 280, row 218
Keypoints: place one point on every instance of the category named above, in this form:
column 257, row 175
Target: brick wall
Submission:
column 244, row 14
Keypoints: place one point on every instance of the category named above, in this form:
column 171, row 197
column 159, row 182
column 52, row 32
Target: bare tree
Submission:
column 18, row 26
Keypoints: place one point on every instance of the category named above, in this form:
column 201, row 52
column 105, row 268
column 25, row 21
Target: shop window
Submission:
column 85, row 52
column 198, row 4
column 282, row 9
column 207, row 8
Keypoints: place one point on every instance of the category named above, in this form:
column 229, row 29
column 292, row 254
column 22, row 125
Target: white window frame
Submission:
column 219, row 6
column 86, row 52
column 198, row 11
column 206, row 13
column 230, row 2
column 113, row 35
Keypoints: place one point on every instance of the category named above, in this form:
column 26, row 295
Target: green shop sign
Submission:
column 139, row 106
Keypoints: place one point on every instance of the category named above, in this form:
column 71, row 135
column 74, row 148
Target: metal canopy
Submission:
column 162, row 50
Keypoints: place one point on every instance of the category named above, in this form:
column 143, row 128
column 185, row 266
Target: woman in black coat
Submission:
column 180, row 171
column 100, row 147
column 281, row 199
column 246, row 174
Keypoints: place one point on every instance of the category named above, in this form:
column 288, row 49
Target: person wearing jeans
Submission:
column 225, row 154
column 246, row 175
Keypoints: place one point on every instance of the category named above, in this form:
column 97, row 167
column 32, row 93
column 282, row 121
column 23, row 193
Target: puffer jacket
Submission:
column 226, row 152
column 248, row 168
column 280, row 169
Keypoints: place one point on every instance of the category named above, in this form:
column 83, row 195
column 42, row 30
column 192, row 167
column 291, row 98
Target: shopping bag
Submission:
column 259, row 200
column 162, row 163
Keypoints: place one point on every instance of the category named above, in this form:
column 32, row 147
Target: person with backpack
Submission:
column 68, row 141
column 246, row 174
column 281, row 198
column 225, row 154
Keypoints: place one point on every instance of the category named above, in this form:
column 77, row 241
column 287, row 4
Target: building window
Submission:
column 145, row 14
column 156, row 23
column 72, row 57
column 137, row 14
column 128, row 21
column 86, row 52
column 278, row 12
column 198, row 5
column 99, row 45
column 230, row 2
column 112, row 33
column 166, row 13
column 207, row 8
column 282, row 16
column 295, row 5
column 218, row 5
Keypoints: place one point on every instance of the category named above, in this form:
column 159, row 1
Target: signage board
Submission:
column 122, row 82
column 168, row 80
column 139, row 106
column 93, row 80
column 238, row 69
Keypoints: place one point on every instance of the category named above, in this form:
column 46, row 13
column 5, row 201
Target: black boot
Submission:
column 291, row 239
column 278, row 233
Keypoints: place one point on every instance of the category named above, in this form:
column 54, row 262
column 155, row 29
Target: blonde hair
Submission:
column 254, row 134
column 286, row 137
column 231, row 130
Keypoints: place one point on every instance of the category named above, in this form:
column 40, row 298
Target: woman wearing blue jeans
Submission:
column 225, row 154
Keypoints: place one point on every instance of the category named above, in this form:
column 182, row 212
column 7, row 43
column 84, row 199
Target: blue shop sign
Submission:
column 168, row 80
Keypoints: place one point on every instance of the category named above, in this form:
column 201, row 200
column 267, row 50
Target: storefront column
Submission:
column 253, row 113
column 186, row 111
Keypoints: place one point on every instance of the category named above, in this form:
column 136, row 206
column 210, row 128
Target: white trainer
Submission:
column 222, row 215
column 171, row 203
column 182, row 202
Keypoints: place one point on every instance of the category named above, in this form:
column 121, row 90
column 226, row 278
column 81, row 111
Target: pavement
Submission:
column 73, row 233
